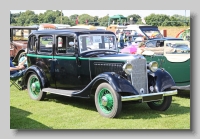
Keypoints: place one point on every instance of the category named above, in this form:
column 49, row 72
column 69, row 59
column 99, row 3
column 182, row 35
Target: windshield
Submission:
column 153, row 34
column 21, row 34
column 178, row 47
column 97, row 42
column 133, row 32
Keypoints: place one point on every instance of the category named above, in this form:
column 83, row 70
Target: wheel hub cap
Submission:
column 33, row 86
column 104, row 101
column 107, row 100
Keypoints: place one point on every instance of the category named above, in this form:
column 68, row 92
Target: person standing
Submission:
column 141, row 48
column 121, row 39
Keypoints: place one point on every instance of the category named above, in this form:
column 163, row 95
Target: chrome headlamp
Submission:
column 153, row 66
column 128, row 68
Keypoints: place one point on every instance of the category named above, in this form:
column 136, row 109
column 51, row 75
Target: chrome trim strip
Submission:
column 139, row 97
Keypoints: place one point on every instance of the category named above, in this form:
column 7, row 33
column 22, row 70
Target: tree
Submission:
column 103, row 21
column 96, row 18
column 139, row 22
column 73, row 19
column 85, row 17
column 176, row 22
column 185, row 20
column 135, row 17
column 26, row 18
column 65, row 20
column 156, row 19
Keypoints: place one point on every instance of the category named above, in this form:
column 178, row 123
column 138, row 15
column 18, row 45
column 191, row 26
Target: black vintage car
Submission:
column 86, row 63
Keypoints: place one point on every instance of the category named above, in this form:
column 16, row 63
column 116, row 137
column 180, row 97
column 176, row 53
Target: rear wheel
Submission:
column 161, row 105
column 107, row 101
column 21, row 55
column 34, row 89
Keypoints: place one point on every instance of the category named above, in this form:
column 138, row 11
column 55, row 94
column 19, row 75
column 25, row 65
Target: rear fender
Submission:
column 34, row 69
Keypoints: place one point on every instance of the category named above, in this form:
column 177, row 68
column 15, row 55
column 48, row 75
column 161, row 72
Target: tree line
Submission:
column 29, row 18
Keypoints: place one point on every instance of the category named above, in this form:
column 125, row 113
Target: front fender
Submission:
column 163, row 80
column 34, row 69
column 119, row 84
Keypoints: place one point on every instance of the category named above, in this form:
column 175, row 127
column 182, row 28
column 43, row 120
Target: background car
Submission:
column 18, row 41
column 174, row 57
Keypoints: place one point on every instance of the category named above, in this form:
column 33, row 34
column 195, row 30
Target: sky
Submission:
column 101, row 13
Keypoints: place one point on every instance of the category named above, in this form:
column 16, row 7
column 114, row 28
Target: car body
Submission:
column 174, row 57
column 152, row 34
column 76, row 70
column 18, row 40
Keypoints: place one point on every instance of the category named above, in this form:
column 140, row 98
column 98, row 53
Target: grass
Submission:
column 60, row 112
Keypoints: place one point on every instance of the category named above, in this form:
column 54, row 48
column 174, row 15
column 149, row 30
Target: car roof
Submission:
column 71, row 30
column 23, row 27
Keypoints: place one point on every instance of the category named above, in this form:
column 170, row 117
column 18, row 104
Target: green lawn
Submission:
column 60, row 112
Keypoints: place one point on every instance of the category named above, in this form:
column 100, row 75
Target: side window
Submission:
column 45, row 44
column 32, row 44
column 62, row 45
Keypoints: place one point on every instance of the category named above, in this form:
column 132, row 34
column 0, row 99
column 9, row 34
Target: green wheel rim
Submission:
column 34, row 86
column 105, row 100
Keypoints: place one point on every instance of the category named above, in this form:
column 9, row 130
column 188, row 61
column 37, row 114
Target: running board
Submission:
column 60, row 91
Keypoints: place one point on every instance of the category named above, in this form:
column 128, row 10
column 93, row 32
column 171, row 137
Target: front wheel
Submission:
column 161, row 105
column 107, row 101
column 34, row 89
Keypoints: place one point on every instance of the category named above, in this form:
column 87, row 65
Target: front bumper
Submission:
column 149, row 97
column 187, row 87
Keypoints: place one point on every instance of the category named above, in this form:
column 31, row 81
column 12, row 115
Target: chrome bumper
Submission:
column 181, row 87
column 149, row 97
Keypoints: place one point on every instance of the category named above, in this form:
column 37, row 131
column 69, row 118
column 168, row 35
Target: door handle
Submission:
column 52, row 59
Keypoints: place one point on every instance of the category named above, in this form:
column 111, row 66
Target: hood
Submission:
column 110, row 55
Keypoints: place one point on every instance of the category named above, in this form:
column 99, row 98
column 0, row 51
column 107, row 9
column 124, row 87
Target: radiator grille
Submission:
column 108, row 67
column 139, row 75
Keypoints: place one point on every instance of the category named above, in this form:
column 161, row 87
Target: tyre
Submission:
column 21, row 55
column 34, row 89
column 161, row 105
column 107, row 101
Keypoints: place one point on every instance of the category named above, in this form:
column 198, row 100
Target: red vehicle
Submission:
column 18, row 40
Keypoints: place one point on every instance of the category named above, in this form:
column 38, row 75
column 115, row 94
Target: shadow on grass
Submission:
column 19, row 118
column 142, row 111
column 130, row 110
column 184, row 94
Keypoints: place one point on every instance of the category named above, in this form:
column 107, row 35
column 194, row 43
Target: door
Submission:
column 177, row 61
column 45, row 59
column 66, row 72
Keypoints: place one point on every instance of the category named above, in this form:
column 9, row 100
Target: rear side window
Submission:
column 62, row 45
column 45, row 44
column 32, row 44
